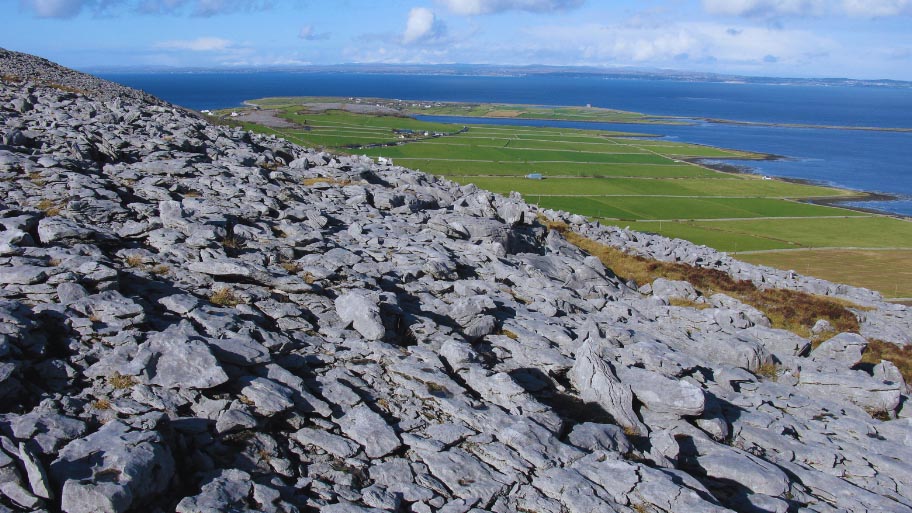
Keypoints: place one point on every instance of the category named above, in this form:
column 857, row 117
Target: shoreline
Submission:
column 835, row 201
column 803, row 125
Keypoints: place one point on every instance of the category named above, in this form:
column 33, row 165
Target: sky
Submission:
column 868, row 39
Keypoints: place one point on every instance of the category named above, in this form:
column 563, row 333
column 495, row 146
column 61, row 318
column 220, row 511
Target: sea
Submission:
column 877, row 161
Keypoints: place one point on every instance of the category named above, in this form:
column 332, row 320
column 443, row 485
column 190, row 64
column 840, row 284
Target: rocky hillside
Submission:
column 199, row 319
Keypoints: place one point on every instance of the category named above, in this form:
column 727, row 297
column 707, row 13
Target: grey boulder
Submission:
column 112, row 470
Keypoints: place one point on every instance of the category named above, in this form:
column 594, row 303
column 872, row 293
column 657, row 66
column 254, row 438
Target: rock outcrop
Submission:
column 195, row 318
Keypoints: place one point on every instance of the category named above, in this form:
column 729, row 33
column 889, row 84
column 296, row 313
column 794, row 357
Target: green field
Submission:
column 765, row 234
column 511, row 111
column 646, row 183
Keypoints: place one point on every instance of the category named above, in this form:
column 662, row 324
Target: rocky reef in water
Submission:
column 195, row 318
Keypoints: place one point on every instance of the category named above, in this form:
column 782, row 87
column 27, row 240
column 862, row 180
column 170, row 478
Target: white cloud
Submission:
column 206, row 8
column 877, row 8
column 66, row 8
column 309, row 33
column 423, row 27
column 200, row 44
column 202, row 8
column 474, row 7
column 767, row 9
column 679, row 45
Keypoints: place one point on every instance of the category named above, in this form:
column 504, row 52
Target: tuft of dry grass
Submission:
column 134, row 261
column 36, row 178
column 291, row 266
column 509, row 334
column 328, row 180
column 631, row 432
column 160, row 269
column 232, row 242
column 639, row 507
column 224, row 297
column 6, row 77
column 49, row 207
column 688, row 303
column 121, row 382
column 64, row 88
column 101, row 404
column 900, row 356
column 768, row 371
column 309, row 278
column 787, row 309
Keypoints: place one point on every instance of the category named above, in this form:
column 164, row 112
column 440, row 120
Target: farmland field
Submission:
column 648, row 183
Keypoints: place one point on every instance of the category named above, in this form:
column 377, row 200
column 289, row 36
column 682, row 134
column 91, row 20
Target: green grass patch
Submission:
column 671, row 208
column 766, row 234
column 518, row 170
column 499, row 154
column 721, row 186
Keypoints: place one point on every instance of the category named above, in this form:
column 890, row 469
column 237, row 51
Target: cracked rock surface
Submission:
column 194, row 318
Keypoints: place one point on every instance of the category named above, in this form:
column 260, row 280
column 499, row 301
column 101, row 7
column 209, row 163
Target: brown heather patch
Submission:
column 900, row 356
column 6, row 77
column 325, row 179
column 787, row 309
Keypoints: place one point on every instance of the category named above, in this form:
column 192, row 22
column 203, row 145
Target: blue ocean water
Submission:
column 876, row 161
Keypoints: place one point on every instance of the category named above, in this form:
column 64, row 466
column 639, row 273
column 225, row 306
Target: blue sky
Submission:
column 800, row 38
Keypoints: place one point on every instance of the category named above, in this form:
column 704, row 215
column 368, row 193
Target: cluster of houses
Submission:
column 405, row 133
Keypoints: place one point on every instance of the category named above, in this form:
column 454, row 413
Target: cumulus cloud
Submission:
column 475, row 7
column 697, row 43
column 423, row 27
column 309, row 33
column 200, row 44
column 769, row 9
